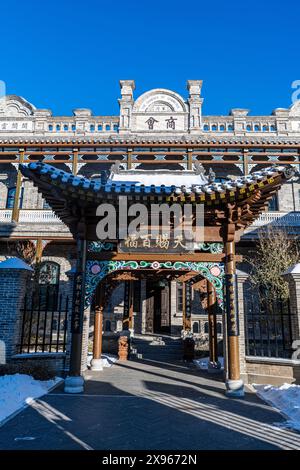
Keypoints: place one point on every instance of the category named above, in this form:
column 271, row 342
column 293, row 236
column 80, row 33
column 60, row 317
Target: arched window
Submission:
column 214, row 127
column 92, row 128
column 248, row 127
column 11, row 193
column 272, row 128
column 66, row 127
column 265, row 128
column 256, row 128
column 206, row 127
column 195, row 327
column 48, row 285
column 222, row 128
column 230, row 128
column 206, row 327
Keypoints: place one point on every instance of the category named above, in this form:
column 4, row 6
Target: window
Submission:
column 195, row 327
column 206, row 127
column 248, row 128
column 219, row 328
column 48, row 285
column 66, row 127
column 265, row 128
column 256, row 128
column 46, row 206
column 73, row 127
column 179, row 297
column 11, row 193
column 107, row 127
column 50, row 127
column 107, row 325
column 206, row 327
column 272, row 128
column 273, row 203
column 58, row 127
column 222, row 127
column 230, row 127
column 116, row 127
column 92, row 128
column 100, row 127
column 214, row 127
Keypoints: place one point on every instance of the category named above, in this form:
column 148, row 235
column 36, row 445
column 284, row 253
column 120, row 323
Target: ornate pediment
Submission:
column 15, row 106
column 159, row 110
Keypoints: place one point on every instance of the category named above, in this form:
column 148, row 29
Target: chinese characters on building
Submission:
column 162, row 242
column 170, row 123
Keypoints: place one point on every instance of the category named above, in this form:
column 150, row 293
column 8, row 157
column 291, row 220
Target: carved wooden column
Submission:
column 74, row 383
column 124, row 338
column 187, row 306
column 96, row 363
column 213, row 364
column 16, row 207
column 234, row 384
column 131, row 293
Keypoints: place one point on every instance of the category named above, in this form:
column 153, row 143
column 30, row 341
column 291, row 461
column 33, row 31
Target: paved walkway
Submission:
column 148, row 405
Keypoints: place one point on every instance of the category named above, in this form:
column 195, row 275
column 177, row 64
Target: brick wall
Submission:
column 13, row 285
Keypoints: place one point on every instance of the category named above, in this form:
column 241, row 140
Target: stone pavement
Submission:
column 148, row 405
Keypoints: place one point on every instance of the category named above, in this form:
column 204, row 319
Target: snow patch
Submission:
column 202, row 363
column 108, row 360
column 285, row 399
column 19, row 389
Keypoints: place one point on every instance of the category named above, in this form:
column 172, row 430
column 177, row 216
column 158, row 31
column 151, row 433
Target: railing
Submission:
column 36, row 216
column 278, row 219
column 268, row 329
column 44, row 323
column 5, row 215
column 30, row 216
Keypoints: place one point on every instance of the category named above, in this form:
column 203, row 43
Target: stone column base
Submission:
column 97, row 364
column 235, row 388
column 74, row 384
column 214, row 367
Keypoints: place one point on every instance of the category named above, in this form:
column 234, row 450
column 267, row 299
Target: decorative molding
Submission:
column 96, row 271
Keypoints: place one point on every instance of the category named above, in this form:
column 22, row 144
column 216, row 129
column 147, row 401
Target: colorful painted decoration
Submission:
column 97, row 270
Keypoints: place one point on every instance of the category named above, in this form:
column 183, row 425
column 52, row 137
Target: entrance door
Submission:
column 158, row 307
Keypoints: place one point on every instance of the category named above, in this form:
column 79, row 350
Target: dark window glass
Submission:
column 273, row 203
column 11, row 197
column 48, row 285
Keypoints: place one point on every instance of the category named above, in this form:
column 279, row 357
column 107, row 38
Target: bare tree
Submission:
column 275, row 253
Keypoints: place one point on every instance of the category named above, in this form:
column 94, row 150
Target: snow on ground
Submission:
column 19, row 389
column 202, row 363
column 285, row 398
column 108, row 360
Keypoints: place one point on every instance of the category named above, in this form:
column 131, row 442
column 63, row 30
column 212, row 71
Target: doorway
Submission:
column 158, row 307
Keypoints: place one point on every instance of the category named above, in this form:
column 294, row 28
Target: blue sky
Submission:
column 69, row 54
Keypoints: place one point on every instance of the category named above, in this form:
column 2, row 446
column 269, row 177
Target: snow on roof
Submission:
column 160, row 177
column 15, row 263
column 295, row 269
